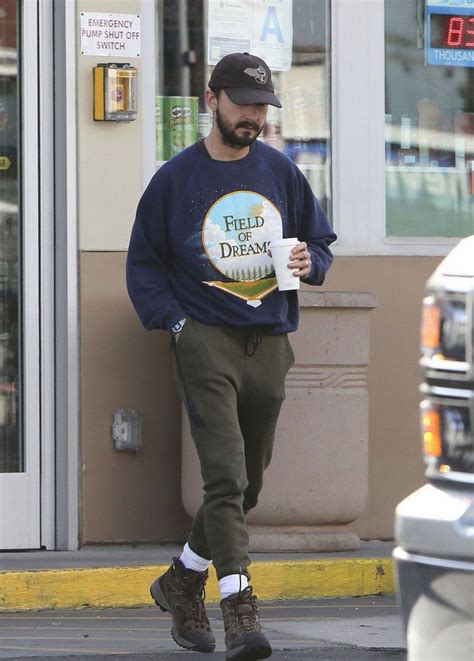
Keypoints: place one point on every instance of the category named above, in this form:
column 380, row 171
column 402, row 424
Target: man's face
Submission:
column 239, row 125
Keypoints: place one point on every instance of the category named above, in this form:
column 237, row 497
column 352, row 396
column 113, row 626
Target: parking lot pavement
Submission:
column 356, row 628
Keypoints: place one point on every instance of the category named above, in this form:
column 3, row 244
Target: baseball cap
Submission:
column 245, row 78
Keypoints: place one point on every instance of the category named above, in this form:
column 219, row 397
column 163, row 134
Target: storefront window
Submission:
column 429, row 121
column 11, row 450
column 291, row 35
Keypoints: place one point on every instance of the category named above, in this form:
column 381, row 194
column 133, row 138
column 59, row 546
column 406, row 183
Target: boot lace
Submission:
column 194, row 587
column 246, row 611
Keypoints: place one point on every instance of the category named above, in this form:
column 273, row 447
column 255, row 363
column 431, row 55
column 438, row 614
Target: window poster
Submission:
column 260, row 27
column 449, row 33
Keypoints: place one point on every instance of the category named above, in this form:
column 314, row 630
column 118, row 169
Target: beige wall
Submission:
column 110, row 173
column 129, row 497
column 126, row 496
column 136, row 497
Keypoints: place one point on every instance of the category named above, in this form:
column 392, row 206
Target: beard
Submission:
column 231, row 138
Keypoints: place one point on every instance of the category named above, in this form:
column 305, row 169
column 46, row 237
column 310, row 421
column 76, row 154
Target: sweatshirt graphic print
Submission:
column 199, row 245
column 236, row 234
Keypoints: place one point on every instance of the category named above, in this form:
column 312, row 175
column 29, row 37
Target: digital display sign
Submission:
column 449, row 33
column 452, row 31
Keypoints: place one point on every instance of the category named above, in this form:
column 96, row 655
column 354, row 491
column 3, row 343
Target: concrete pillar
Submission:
column 317, row 482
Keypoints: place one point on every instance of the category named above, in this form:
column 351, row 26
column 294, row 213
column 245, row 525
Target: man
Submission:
column 199, row 266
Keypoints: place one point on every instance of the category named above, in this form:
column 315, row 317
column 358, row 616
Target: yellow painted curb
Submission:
column 129, row 586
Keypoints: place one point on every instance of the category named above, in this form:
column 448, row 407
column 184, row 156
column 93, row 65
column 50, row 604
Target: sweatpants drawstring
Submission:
column 253, row 337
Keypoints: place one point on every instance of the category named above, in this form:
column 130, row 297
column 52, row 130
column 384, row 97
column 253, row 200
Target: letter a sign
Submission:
column 262, row 27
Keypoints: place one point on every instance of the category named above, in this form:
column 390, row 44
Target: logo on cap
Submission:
column 259, row 74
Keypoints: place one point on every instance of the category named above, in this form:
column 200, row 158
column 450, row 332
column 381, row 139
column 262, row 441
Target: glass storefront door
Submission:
column 19, row 306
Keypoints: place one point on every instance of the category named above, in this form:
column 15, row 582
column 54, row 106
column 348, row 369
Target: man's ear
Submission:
column 211, row 99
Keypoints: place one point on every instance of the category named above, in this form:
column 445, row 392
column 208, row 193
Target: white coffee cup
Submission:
column 281, row 255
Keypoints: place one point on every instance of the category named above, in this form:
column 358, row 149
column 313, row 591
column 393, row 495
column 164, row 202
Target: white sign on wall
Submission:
column 260, row 27
column 105, row 34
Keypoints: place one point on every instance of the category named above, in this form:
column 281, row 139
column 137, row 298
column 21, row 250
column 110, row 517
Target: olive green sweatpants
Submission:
column 233, row 401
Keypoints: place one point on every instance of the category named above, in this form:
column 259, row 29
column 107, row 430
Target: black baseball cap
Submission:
column 245, row 78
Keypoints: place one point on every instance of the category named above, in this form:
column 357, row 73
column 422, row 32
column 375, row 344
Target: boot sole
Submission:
column 160, row 600
column 250, row 652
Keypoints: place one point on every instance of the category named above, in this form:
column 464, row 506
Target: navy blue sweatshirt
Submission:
column 199, row 245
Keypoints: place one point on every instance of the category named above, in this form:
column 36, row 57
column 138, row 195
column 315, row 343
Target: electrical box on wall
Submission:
column 115, row 92
column 127, row 430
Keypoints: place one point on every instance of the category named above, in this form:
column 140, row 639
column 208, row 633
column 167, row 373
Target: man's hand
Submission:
column 300, row 260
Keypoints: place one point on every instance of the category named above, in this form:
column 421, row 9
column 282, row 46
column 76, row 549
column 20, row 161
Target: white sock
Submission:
column 192, row 560
column 232, row 584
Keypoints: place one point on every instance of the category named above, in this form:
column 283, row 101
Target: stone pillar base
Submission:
column 301, row 538
column 316, row 484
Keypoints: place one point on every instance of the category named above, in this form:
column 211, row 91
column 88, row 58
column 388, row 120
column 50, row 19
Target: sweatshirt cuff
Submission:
column 313, row 276
column 175, row 315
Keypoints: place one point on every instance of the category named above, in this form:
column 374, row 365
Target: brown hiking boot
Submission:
column 180, row 591
column 244, row 638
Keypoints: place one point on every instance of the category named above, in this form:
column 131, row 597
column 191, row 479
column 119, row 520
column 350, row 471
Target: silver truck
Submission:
column 434, row 527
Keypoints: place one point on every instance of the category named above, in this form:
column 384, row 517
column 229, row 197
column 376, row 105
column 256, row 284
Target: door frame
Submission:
column 47, row 273
column 64, row 398
column 59, row 279
column 20, row 491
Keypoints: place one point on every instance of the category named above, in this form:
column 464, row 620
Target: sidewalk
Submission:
column 119, row 576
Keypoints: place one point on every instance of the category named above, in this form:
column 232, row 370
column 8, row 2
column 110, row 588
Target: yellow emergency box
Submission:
column 115, row 92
